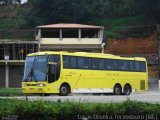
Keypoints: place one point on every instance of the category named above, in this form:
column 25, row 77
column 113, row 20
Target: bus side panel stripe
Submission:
column 94, row 90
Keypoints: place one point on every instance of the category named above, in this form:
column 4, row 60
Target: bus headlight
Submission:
column 41, row 85
column 23, row 85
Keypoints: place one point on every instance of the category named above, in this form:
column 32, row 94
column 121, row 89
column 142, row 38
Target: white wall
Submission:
column 70, row 41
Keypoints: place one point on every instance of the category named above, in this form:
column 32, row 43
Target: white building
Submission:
column 70, row 37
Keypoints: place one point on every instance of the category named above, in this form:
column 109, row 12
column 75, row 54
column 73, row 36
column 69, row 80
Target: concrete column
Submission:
column 6, row 75
column 98, row 33
column 79, row 34
column 39, row 40
column 60, row 34
column 101, row 34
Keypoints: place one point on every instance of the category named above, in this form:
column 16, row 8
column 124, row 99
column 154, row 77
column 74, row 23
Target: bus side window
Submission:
column 123, row 65
column 98, row 63
column 140, row 66
column 137, row 66
column 110, row 64
column 69, row 62
column 65, row 62
column 143, row 66
column 72, row 62
column 132, row 66
column 84, row 63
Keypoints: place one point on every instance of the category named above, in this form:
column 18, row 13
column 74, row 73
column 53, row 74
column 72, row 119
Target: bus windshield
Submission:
column 35, row 68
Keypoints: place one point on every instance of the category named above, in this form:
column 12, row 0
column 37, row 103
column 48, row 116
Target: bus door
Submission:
column 54, row 68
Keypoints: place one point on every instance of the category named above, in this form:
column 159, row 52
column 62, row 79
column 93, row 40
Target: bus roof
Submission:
column 87, row 54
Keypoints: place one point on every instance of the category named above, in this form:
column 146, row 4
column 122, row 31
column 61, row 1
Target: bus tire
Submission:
column 127, row 89
column 117, row 89
column 64, row 90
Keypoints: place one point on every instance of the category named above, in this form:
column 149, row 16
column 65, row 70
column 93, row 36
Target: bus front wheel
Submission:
column 117, row 90
column 64, row 90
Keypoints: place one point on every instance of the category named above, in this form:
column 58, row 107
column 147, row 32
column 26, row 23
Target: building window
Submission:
column 89, row 33
column 69, row 33
column 50, row 33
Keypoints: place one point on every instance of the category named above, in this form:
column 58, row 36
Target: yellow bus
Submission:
column 63, row 73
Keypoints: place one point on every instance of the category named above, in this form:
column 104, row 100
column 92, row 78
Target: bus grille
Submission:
column 142, row 85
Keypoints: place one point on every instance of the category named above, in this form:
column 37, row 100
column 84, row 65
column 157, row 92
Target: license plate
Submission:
column 31, row 88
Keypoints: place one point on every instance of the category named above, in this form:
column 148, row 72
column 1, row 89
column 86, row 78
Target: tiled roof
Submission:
column 69, row 25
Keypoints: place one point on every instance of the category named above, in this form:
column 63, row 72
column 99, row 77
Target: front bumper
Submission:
column 35, row 89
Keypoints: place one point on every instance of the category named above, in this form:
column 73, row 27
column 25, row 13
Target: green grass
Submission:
column 10, row 92
column 6, row 106
column 45, row 110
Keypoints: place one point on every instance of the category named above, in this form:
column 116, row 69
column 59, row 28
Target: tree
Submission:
column 86, row 11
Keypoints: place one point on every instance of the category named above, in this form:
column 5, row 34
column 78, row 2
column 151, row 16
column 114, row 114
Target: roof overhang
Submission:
column 70, row 26
column 12, row 62
column 70, row 46
column 10, row 41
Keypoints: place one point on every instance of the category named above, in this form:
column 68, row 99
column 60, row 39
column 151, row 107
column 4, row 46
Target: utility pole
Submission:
column 158, row 30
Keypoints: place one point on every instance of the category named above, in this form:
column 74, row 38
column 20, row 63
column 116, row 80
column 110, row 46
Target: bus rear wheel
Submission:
column 117, row 90
column 64, row 90
column 127, row 90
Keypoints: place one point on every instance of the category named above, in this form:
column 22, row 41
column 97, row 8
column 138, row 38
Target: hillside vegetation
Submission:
column 13, row 22
column 121, row 18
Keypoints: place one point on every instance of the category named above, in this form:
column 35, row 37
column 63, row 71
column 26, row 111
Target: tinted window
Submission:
column 65, row 62
column 132, row 66
column 55, row 58
column 84, row 63
column 110, row 64
column 140, row 66
column 97, row 64
column 123, row 65
column 73, row 62
column 69, row 62
column 137, row 66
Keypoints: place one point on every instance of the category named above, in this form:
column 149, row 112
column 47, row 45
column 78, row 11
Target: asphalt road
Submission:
column 151, row 97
